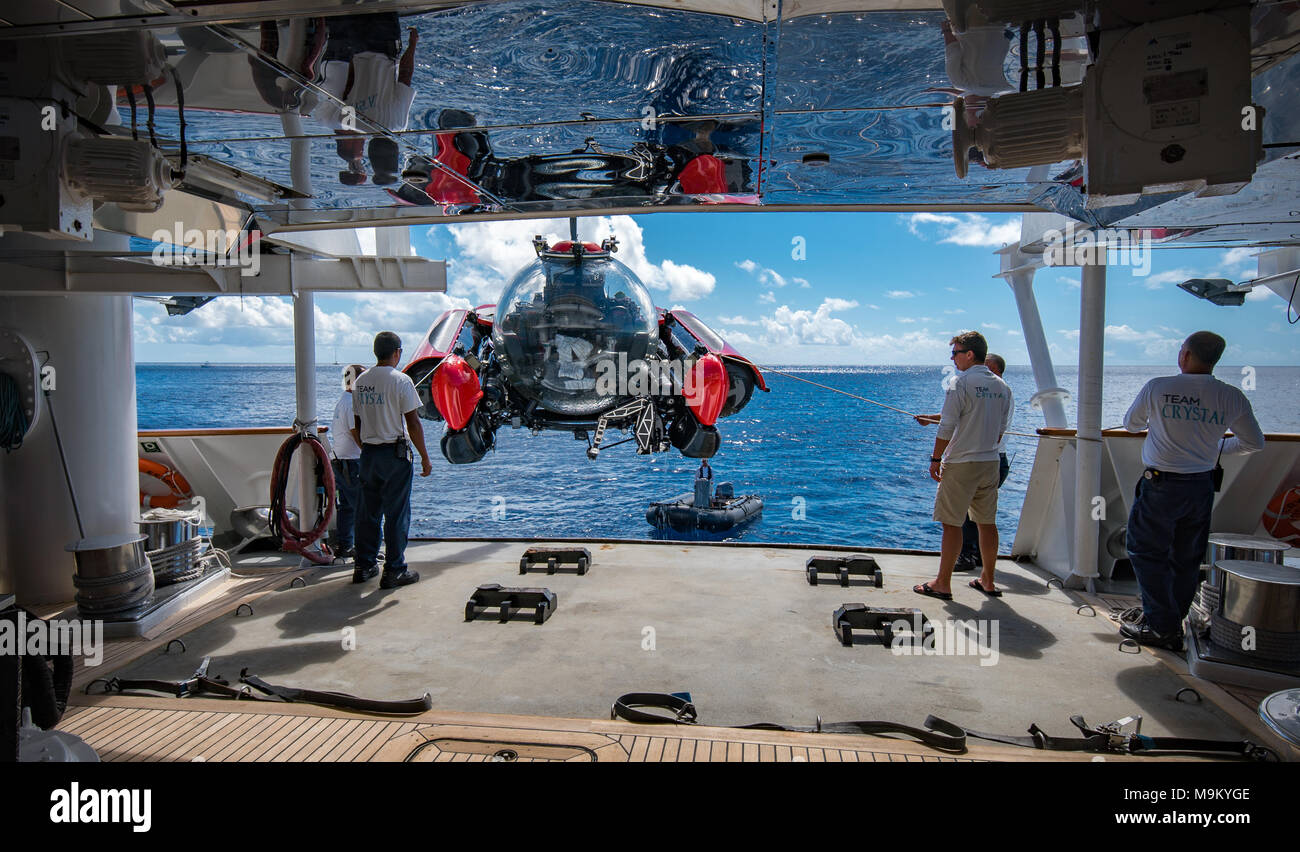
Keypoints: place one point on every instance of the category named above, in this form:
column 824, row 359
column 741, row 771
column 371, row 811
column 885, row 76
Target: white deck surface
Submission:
column 739, row 628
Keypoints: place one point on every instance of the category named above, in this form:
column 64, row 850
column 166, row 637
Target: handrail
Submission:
column 1281, row 437
column 204, row 433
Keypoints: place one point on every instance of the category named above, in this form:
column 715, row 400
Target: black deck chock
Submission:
column 553, row 557
column 492, row 595
column 882, row 619
column 843, row 566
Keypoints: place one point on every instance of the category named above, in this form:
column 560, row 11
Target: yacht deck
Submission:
column 739, row 627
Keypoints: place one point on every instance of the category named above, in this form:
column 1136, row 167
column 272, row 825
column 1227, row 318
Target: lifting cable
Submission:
column 883, row 405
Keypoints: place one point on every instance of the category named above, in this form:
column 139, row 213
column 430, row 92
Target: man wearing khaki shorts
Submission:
column 976, row 411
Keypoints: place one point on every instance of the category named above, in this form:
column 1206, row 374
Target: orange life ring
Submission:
column 1282, row 517
column 180, row 489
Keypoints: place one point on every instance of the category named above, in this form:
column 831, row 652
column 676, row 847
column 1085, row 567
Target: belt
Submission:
column 1152, row 473
column 389, row 444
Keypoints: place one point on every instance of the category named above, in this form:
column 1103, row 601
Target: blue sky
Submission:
column 784, row 288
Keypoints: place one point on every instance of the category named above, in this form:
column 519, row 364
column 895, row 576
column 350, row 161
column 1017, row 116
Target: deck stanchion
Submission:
column 1087, row 481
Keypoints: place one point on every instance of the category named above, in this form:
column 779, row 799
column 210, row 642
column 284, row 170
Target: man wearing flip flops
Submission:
column 976, row 411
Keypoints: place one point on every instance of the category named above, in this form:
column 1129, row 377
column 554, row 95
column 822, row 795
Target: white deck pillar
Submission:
column 1088, row 453
column 304, row 376
column 304, row 333
column 1052, row 506
column 89, row 345
column 1048, row 397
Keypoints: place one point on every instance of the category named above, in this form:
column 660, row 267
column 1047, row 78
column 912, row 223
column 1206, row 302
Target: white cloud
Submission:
column 901, row 294
column 1165, row 349
column 1259, row 293
column 874, row 307
column 802, row 283
column 262, row 321
column 1244, row 256
column 819, row 337
column 1173, row 276
column 917, row 219
column 738, row 338
column 683, row 281
column 491, row 253
column 913, row 347
column 958, row 311
column 1128, row 334
column 766, row 277
column 791, row 327
column 965, row 229
column 768, row 297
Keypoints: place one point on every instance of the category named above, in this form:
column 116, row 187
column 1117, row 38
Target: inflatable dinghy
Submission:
column 723, row 512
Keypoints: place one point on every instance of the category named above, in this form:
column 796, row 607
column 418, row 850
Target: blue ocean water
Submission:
column 832, row 470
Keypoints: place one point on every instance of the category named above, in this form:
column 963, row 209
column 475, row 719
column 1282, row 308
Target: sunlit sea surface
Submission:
column 831, row 470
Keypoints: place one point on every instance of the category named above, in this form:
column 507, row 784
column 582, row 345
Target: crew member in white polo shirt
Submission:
column 1169, row 525
column 385, row 403
column 976, row 411
column 345, row 458
column 969, row 558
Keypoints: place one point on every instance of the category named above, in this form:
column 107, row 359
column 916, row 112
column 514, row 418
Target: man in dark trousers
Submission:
column 345, row 458
column 385, row 402
column 1169, row 526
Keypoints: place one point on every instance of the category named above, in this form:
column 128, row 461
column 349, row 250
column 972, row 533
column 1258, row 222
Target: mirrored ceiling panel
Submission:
column 396, row 111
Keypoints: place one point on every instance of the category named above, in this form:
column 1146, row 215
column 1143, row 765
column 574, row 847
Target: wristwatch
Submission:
column 933, row 459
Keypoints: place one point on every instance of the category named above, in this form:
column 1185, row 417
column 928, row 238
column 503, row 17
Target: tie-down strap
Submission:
column 937, row 733
column 945, row 736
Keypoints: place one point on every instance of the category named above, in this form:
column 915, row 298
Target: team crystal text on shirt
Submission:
column 1178, row 407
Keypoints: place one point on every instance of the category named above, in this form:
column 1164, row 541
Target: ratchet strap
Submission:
column 942, row 735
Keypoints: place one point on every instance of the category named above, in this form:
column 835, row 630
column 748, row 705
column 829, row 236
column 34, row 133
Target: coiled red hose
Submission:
column 292, row 539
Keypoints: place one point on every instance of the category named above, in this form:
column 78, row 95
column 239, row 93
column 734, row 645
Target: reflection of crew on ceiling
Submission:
column 361, row 67
column 974, row 59
column 306, row 40
column 689, row 161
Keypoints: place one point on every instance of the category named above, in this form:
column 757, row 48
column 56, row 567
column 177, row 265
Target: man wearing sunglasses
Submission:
column 976, row 412
column 970, row 559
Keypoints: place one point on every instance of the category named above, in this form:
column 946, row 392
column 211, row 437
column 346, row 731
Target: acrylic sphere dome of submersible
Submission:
column 565, row 314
